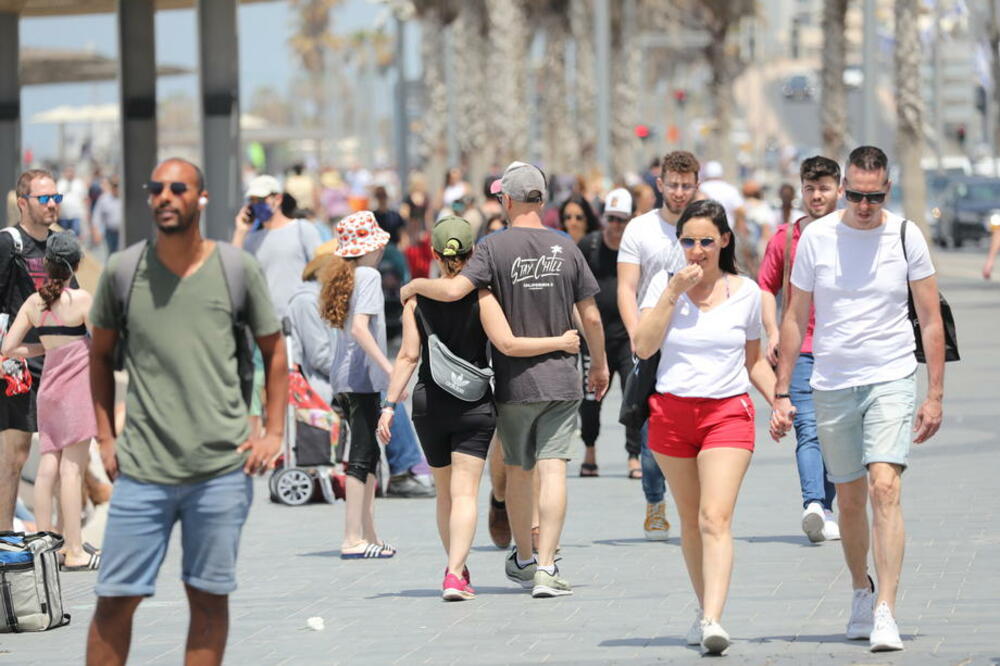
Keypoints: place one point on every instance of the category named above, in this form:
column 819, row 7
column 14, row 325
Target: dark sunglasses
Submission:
column 688, row 243
column 572, row 216
column 616, row 219
column 156, row 187
column 44, row 198
column 873, row 197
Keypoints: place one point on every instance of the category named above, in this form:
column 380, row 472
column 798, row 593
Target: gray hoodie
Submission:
column 314, row 341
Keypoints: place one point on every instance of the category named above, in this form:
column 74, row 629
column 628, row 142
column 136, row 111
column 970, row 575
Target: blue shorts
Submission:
column 141, row 518
column 861, row 425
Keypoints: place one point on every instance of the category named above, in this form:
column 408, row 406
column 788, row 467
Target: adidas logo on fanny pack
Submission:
column 457, row 381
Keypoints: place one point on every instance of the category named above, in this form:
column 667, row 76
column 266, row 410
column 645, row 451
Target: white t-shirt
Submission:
column 703, row 354
column 858, row 280
column 725, row 194
column 650, row 242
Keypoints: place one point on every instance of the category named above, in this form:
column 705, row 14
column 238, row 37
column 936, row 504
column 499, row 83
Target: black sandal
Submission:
column 588, row 469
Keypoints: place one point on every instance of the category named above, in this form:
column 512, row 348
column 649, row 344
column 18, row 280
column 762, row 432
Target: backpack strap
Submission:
column 236, row 279
column 124, row 277
column 15, row 235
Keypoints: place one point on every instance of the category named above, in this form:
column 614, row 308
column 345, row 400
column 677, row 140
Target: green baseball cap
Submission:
column 452, row 236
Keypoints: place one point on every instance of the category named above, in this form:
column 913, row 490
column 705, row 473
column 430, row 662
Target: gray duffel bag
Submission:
column 30, row 593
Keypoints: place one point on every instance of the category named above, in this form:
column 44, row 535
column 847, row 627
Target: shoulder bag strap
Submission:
column 124, row 278
column 902, row 237
column 236, row 282
column 786, row 270
column 424, row 321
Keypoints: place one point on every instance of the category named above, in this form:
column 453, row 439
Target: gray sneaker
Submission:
column 523, row 576
column 550, row 585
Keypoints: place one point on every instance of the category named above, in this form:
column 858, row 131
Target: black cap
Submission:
column 63, row 246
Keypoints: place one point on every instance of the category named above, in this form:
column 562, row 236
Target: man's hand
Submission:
column 264, row 452
column 571, row 341
column 109, row 457
column 782, row 414
column 598, row 379
column 407, row 292
column 987, row 269
column 772, row 349
column 384, row 429
column 928, row 420
column 243, row 218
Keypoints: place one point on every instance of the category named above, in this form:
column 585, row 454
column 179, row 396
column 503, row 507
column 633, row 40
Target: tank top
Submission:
column 457, row 325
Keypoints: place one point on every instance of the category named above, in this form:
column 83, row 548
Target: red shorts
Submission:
column 681, row 427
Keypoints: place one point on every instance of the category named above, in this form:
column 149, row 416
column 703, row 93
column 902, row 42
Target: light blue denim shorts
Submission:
column 142, row 516
column 861, row 425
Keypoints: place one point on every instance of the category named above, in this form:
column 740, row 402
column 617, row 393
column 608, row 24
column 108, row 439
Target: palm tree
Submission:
column 508, row 106
column 475, row 141
column 626, row 62
column 559, row 140
column 312, row 41
column 909, row 112
column 834, row 106
column 581, row 21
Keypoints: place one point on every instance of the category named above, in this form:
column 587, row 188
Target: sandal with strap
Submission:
column 372, row 551
column 635, row 473
column 588, row 469
column 92, row 564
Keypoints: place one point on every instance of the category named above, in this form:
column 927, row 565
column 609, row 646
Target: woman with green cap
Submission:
column 455, row 432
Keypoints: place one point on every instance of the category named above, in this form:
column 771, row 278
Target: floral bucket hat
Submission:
column 358, row 234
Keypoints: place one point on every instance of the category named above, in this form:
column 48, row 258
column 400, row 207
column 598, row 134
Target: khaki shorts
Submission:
column 533, row 431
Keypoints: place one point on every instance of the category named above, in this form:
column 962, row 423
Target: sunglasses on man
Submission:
column 688, row 243
column 873, row 197
column 156, row 187
column 44, row 198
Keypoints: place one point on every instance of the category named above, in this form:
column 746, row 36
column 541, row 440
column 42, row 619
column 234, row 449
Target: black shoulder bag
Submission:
column 948, row 321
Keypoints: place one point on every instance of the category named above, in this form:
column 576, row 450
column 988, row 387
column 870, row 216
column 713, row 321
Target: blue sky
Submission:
column 265, row 58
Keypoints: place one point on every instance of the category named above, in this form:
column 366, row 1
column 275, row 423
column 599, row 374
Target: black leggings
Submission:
column 619, row 360
column 362, row 415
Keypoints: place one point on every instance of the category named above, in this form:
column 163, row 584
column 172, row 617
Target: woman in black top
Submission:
column 455, row 434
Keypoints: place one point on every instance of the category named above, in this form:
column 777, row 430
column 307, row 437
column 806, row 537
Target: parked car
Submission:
column 969, row 207
column 798, row 86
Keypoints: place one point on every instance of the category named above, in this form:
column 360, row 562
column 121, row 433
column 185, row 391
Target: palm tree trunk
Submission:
column 433, row 148
column 560, row 147
column 581, row 21
column 508, row 110
column 721, row 92
column 834, row 106
column 625, row 111
column 474, row 140
column 909, row 112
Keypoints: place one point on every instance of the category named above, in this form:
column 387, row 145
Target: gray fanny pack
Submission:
column 464, row 380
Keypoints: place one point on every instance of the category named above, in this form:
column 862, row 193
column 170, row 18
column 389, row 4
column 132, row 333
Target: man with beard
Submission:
column 820, row 191
column 22, row 271
column 649, row 246
column 187, row 452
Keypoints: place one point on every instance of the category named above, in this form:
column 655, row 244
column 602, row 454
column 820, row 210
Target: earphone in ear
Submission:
column 202, row 201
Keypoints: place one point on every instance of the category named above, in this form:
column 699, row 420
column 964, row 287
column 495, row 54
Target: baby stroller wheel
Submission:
column 293, row 486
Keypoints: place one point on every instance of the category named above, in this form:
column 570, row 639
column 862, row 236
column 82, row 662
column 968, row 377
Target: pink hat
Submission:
column 358, row 234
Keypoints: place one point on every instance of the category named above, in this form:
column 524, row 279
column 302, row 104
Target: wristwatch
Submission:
column 778, row 396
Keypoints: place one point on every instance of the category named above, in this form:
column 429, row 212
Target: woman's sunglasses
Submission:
column 688, row 243
column 156, row 187
column 44, row 198
column 573, row 216
column 873, row 197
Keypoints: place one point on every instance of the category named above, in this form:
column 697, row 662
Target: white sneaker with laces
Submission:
column 831, row 530
column 714, row 639
column 885, row 635
column 859, row 627
column 694, row 633
column 812, row 522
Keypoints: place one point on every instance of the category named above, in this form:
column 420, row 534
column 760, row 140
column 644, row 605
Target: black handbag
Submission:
column 639, row 385
column 947, row 319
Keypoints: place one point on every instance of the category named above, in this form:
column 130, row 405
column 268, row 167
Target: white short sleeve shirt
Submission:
column 650, row 242
column 858, row 279
column 703, row 354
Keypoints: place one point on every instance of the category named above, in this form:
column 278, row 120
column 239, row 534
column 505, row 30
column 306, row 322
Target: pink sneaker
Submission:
column 466, row 576
column 456, row 589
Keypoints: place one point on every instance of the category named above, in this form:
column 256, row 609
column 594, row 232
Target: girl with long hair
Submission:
column 456, row 434
column 351, row 299
column 577, row 217
column 705, row 322
column 66, row 422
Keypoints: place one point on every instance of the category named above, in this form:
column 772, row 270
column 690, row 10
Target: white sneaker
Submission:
column 831, row 530
column 812, row 522
column 859, row 627
column 885, row 635
column 694, row 633
column 714, row 639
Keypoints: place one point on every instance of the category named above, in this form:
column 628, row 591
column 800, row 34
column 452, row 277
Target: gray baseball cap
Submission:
column 63, row 246
column 524, row 182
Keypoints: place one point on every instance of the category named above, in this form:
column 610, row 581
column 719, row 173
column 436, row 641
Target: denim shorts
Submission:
column 142, row 516
column 861, row 425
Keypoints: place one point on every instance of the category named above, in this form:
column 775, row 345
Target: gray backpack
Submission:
column 30, row 593
column 236, row 284
column 464, row 380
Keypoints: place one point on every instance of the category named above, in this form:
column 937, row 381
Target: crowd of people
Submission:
column 513, row 312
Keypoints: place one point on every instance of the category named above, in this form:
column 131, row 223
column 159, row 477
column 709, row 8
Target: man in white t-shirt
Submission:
column 714, row 187
column 648, row 246
column 855, row 267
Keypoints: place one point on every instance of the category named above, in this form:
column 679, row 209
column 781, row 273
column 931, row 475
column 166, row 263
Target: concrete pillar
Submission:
column 137, row 95
column 10, row 110
column 220, row 115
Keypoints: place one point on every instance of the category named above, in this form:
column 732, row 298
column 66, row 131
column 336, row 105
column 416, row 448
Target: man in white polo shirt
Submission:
column 854, row 266
column 649, row 245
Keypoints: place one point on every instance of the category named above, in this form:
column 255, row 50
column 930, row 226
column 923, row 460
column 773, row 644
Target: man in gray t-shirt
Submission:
column 538, row 276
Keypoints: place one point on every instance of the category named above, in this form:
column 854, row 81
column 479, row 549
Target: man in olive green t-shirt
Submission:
column 187, row 452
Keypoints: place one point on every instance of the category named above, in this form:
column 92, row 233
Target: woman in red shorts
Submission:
column 705, row 322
